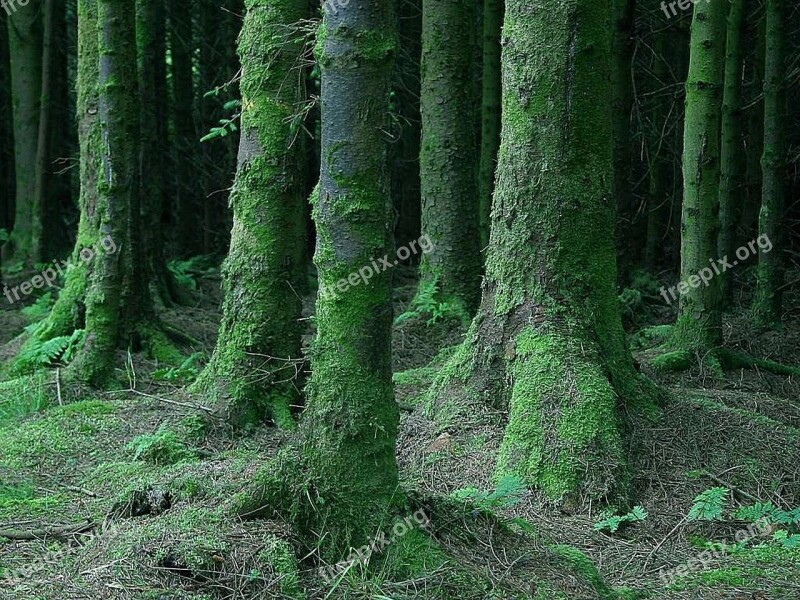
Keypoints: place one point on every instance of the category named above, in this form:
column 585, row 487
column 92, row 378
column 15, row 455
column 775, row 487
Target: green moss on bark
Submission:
column 255, row 370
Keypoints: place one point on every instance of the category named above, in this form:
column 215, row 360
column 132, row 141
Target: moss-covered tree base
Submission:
column 563, row 435
column 242, row 399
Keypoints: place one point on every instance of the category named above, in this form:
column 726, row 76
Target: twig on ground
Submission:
column 46, row 532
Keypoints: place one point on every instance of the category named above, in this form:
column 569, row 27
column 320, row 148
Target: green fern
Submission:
column 188, row 369
column 708, row 506
column 508, row 493
column 37, row 354
column 39, row 309
column 614, row 522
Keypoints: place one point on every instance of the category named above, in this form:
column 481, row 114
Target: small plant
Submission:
column 187, row 272
column 789, row 541
column 163, row 448
column 186, row 371
column 614, row 522
column 428, row 302
column 509, row 492
column 709, row 505
column 227, row 126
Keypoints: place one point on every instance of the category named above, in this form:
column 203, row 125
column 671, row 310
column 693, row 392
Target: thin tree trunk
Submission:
column 448, row 159
column 490, row 112
column 769, row 296
column 25, row 51
column 188, row 206
column 622, row 102
column 732, row 158
column 699, row 325
column 254, row 372
column 754, row 139
column 42, row 206
column 6, row 140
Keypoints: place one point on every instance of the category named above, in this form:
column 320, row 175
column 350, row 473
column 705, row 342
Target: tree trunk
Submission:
column 448, row 157
column 405, row 152
column 769, row 297
column 188, row 206
column 548, row 340
column 254, row 372
column 660, row 195
column 755, row 125
column 622, row 102
column 117, row 149
column 699, row 324
column 6, row 141
column 350, row 425
column 490, row 112
column 154, row 207
column 42, row 205
column 732, row 158
column 25, row 52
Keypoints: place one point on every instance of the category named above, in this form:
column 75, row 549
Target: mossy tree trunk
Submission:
column 69, row 312
column 106, row 293
column 732, row 159
column 769, row 297
column 490, row 112
column 255, row 370
column 25, row 54
column 548, row 343
column 699, row 326
column 117, row 148
column 448, row 158
column 350, row 424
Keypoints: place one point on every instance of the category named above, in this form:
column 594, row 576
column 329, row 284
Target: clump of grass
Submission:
column 163, row 448
column 24, row 396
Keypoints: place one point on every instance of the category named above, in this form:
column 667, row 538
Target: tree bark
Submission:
column 448, row 158
column 628, row 232
column 25, row 52
column 699, row 325
column 732, row 158
column 255, row 372
column 490, row 112
column 350, row 424
column 547, row 344
column 768, row 302
column 188, row 204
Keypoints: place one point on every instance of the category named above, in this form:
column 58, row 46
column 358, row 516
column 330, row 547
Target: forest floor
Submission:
column 145, row 485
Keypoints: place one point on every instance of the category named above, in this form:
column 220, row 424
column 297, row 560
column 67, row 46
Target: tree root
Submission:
column 719, row 360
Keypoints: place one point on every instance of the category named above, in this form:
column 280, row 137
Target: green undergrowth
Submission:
column 26, row 395
column 57, row 435
column 770, row 568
